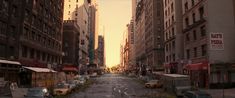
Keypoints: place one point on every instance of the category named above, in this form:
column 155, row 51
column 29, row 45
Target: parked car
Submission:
column 94, row 74
column 61, row 89
column 72, row 84
column 38, row 92
column 153, row 84
column 196, row 94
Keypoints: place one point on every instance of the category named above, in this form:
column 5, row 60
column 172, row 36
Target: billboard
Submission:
column 216, row 41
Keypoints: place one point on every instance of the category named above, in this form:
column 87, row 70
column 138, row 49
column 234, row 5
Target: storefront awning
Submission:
column 68, row 68
column 197, row 66
column 10, row 62
column 37, row 69
column 169, row 65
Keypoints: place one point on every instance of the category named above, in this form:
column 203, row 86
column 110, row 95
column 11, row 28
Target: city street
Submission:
column 115, row 86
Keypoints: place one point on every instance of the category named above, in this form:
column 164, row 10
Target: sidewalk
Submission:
column 218, row 93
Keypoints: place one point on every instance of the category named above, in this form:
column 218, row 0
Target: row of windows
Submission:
column 190, row 36
column 201, row 15
column 193, row 3
column 170, row 33
column 3, row 28
column 196, row 51
column 6, row 51
column 35, row 54
column 169, row 10
column 170, row 46
column 11, row 30
column 170, row 58
column 37, row 37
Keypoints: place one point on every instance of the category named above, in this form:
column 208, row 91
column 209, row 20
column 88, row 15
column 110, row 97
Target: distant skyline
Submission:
column 114, row 15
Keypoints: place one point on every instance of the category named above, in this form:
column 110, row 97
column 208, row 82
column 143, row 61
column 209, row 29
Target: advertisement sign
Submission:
column 216, row 41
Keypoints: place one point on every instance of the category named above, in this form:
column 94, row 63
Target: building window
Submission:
column 194, row 34
column 204, row 51
column 38, row 55
column 3, row 28
column 201, row 12
column 186, row 22
column 31, row 53
column 194, row 18
column 14, row 11
column 24, row 51
column 82, row 42
column 43, row 56
column 186, row 6
column 187, row 37
column 193, row 2
column 5, row 7
column 12, row 52
column 195, row 51
column 33, row 20
column 173, row 56
column 166, row 58
column 3, row 50
column 173, row 44
column 166, row 47
column 203, row 31
column 188, row 53
column 172, row 7
column 173, row 32
column 173, row 19
column 33, row 36
column 13, row 30
column 26, row 14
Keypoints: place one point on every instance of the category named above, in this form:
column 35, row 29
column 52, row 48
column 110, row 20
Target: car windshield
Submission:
column 35, row 92
column 153, row 81
column 60, row 86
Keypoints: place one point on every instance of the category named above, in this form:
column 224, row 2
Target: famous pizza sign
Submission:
column 216, row 41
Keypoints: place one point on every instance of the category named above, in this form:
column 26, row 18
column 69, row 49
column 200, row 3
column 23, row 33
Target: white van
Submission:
column 176, row 83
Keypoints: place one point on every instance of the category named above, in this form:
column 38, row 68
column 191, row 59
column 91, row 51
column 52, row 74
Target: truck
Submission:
column 176, row 83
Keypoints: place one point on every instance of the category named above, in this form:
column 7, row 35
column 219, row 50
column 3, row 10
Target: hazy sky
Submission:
column 114, row 15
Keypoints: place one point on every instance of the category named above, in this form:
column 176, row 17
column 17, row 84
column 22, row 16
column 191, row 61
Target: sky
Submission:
column 114, row 15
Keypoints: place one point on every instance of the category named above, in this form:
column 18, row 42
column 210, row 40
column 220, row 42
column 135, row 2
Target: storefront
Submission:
column 37, row 77
column 9, row 70
column 70, row 71
column 198, row 74
column 171, row 68
column 222, row 75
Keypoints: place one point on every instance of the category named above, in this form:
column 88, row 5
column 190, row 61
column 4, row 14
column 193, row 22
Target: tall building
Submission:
column 78, row 10
column 30, row 33
column 101, row 51
column 93, row 30
column 173, row 36
column 131, row 45
column 71, row 41
column 140, row 34
column 208, row 29
column 154, row 37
